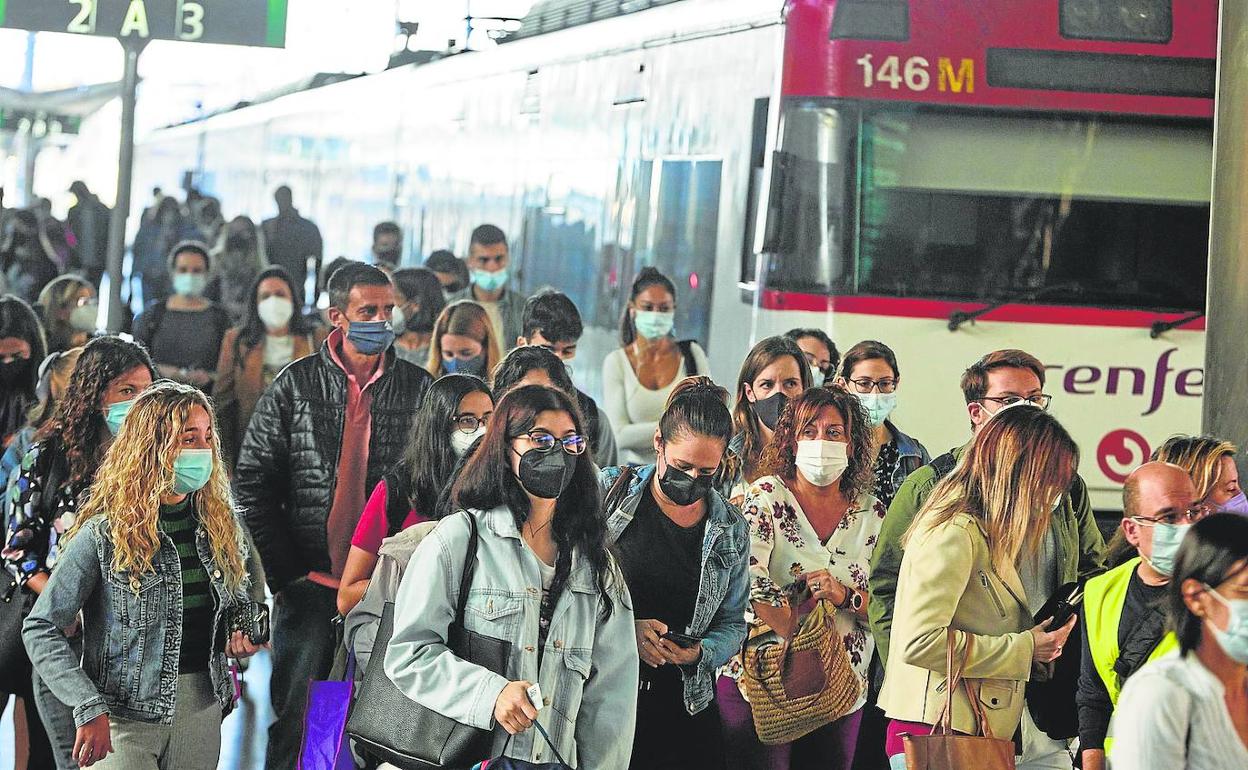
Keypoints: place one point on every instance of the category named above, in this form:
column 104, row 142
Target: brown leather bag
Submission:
column 946, row 750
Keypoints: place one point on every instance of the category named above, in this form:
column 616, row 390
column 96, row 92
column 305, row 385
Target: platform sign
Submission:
column 238, row 22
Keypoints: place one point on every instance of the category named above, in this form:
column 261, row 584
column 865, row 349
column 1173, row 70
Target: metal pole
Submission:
column 1226, row 345
column 125, row 172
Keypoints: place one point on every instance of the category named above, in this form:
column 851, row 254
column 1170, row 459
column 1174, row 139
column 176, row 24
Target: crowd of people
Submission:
column 413, row 466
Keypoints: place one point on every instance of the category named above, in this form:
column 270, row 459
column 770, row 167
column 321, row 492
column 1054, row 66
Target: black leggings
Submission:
column 668, row 737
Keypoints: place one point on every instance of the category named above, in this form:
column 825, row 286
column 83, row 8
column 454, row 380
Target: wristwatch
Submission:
column 853, row 600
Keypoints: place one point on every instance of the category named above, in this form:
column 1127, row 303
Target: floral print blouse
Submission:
column 783, row 545
column 31, row 542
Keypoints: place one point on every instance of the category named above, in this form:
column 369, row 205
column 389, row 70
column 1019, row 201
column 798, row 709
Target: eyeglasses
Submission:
column 822, row 366
column 468, row 423
column 544, row 442
column 1041, row 400
column 1190, row 516
column 866, row 385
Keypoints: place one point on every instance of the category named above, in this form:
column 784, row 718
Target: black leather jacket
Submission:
column 288, row 464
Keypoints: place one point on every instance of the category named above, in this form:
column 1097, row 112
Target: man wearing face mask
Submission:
column 488, row 258
column 1073, row 551
column 387, row 248
column 1124, row 613
column 325, row 431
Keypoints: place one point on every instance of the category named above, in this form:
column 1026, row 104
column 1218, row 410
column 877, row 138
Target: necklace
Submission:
column 533, row 532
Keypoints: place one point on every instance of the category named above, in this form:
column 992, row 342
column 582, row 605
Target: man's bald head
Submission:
column 1156, row 487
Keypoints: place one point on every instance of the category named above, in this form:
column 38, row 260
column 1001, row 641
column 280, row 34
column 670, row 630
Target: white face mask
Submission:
column 822, row 462
column 816, row 377
column 275, row 311
column 461, row 442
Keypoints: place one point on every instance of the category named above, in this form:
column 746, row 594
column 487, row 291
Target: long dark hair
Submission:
column 649, row 276
column 487, row 482
column 1212, row 552
column 252, row 332
column 780, row 456
column 420, row 285
column 761, row 356
column 78, row 418
column 18, row 320
column 430, row 459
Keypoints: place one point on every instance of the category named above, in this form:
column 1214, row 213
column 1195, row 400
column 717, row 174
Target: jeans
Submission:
column 192, row 742
column 1040, row 752
column 303, row 649
column 58, row 719
column 831, row 747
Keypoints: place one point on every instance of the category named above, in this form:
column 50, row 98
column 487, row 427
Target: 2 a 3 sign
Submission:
column 241, row 22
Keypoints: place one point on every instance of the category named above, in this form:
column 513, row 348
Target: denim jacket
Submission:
column 719, row 613
column 129, row 665
column 589, row 669
column 912, row 455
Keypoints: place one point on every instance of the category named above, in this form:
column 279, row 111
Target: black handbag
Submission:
column 390, row 727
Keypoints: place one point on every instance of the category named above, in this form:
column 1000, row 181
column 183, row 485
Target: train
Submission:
column 947, row 176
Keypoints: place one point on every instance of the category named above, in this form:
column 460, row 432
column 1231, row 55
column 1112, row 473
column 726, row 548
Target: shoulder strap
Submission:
column 944, row 465
column 686, row 351
column 470, row 567
column 397, row 503
column 618, row 490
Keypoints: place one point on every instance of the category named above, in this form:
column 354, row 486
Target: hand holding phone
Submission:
column 682, row 640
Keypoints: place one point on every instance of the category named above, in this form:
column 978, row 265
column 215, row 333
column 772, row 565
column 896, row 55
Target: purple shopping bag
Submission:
column 325, row 744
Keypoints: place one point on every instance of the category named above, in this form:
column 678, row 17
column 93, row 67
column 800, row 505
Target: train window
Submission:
column 1045, row 209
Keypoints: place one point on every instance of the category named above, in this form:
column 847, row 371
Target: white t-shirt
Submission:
column 1172, row 715
column 634, row 410
column 278, row 351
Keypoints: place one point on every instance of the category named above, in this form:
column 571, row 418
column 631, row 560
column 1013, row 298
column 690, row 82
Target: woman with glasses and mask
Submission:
column 813, row 524
column 544, row 581
column 1191, row 710
column 69, row 307
column 418, row 302
column 273, row 334
column 1211, row 464
column 869, row 371
column 638, row 376
column 451, row 418
column 773, row 373
column 667, row 523
column 43, row 502
column 821, row 354
column 463, row 342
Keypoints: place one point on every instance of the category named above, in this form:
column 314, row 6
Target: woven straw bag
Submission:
column 801, row 682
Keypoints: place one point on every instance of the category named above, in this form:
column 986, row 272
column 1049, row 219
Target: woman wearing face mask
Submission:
column 821, row 354
column 22, row 348
column 544, row 580
column 1211, row 464
column 869, row 371
column 252, row 354
column 69, row 307
column 463, row 342
column 1191, row 710
column 813, row 524
column 236, row 261
column 155, row 562
column 638, row 377
column 773, row 373
column 184, row 332
column 418, row 302
column 666, row 523
column 43, row 501
column 53, row 380
column 453, row 415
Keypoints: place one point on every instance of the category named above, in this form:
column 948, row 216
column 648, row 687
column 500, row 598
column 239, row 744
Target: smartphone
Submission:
column 682, row 640
column 1061, row 606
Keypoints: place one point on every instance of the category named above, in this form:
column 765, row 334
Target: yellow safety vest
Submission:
column 1103, row 598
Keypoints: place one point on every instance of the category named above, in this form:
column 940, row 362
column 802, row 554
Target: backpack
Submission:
column 686, row 352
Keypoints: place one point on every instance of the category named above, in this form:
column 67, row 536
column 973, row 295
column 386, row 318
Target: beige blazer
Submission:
column 948, row 582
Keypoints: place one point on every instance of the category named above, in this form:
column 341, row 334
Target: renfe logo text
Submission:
column 1090, row 380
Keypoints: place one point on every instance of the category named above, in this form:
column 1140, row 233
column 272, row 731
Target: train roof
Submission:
column 549, row 16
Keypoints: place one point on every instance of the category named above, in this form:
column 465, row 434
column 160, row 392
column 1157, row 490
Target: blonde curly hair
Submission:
column 137, row 471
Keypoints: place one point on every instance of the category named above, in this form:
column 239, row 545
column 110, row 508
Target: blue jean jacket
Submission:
column 588, row 667
column 719, row 613
column 131, row 640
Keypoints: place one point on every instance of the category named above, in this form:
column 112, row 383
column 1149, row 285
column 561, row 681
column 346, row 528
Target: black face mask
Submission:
column 389, row 256
column 14, row 371
column 768, row 409
column 683, row 489
column 546, row 474
column 237, row 242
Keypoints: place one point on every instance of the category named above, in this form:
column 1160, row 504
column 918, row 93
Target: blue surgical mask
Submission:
column 490, row 281
column 1237, row 504
column 371, row 338
column 1234, row 640
column 878, row 405
column 1166, row 540
column 474, row 365
column 191, row 470
column 115, row 415
column 189, row 284
column 652, row 324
